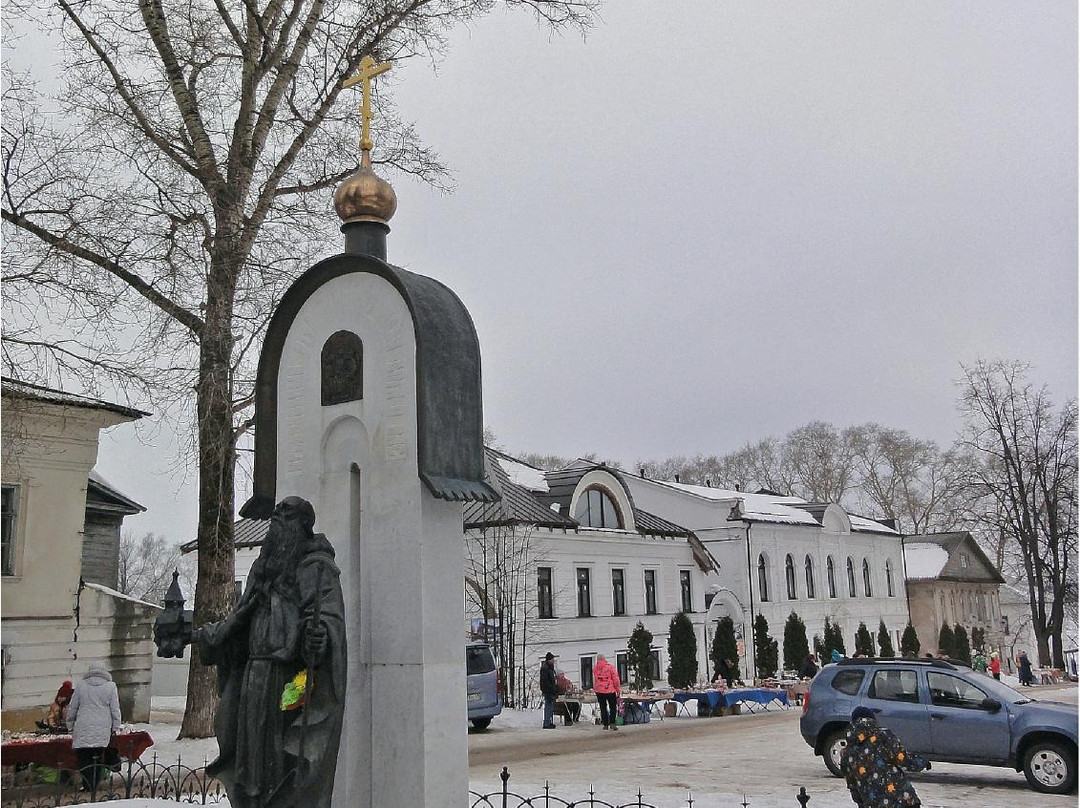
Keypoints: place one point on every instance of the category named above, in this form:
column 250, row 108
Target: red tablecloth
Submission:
column 56, row 751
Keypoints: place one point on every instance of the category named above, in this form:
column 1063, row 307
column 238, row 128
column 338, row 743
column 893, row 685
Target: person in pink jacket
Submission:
column 607, row 686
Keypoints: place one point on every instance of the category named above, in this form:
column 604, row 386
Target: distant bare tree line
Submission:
column 1009, row 479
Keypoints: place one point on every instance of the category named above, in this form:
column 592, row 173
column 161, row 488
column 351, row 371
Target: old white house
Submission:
column 569, row 562
column 60, row 541
column 779, row 554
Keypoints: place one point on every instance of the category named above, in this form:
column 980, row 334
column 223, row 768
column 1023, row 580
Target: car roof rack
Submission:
column 950, row 664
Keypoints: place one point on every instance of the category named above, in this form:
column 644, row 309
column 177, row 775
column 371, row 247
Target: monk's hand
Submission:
column 315, row 641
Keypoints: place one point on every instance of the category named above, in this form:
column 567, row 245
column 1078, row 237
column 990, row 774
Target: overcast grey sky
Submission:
column 709, row 222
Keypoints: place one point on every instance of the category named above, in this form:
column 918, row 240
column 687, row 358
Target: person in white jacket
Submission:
column 93, row 717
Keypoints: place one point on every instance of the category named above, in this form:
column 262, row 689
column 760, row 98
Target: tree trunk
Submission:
column 214, row 592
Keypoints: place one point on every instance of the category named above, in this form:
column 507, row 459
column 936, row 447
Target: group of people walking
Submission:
column 606, row 685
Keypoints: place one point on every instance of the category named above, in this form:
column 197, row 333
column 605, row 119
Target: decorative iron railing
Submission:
column 42, row 787
column 36, row 786
column 506, row 798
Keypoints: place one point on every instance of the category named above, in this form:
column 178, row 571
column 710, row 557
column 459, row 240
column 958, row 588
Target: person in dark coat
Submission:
column 270, row 754
column 809, row 668
column 1023, row 669
column 549, row 688
column 724, row 671
column 874, row 762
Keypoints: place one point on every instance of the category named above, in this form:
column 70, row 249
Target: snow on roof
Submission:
column 924, row 560
column 757, row 507
column 524, row 475
column 863, row 524
column 114, row 594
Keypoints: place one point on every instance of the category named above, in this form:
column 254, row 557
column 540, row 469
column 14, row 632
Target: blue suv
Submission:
column 943, row 710
column 482, row 681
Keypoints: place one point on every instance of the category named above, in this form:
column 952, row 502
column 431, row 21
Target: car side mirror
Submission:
column 990, row 705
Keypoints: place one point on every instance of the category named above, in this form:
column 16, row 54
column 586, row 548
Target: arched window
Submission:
column 789, row 576
column 763, row 578
column 867, row 589
column 830, row 573
column 850, row 577
column 810, row 591
column 888, row 579
column 596, row 508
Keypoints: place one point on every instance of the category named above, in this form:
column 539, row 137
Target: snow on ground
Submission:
column 718, row 760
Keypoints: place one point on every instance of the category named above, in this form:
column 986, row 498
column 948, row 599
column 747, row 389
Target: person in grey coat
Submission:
column 93, row 717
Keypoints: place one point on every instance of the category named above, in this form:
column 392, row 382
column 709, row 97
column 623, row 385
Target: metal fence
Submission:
column 42, row 787
column 506, row 798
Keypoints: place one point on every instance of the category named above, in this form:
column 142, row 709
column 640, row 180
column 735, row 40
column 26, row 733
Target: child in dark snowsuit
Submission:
column 874, row 762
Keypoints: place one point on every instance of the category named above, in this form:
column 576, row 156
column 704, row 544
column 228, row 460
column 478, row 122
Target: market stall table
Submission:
column 55, row 750
column 710, row 697
column 763, row 696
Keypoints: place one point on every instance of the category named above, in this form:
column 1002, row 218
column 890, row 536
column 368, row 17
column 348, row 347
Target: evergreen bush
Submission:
column 724, row 646
column 682, row 651
column 909, row 642
column 946, row 642
column 961, row 647
column 765, row 648
column 864, row 643
column 639, row 657
column 796, row 648
column 884, row 641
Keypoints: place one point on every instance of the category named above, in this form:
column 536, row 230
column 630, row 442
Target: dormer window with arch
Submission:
column 597, row 508
column 830, row 574
column 867, row 589
column 763, row 578
column 810, row 589
column 888, row 579
column 789, row 577
column 850, row 577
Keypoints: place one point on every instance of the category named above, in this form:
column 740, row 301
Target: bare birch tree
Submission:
column 1027, row 473
column 159, row 202
column 499, row 560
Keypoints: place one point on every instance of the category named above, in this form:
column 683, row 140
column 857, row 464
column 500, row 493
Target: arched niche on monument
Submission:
column 342, row 368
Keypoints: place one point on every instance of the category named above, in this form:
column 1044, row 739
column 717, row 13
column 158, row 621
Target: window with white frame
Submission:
column 9, row 496
column 811, row 591
column 830, row 573
column 650, row 592
column 584, row 594
column 763, row 578
column 888, row 579
column 868, row 590
column 597, row 508
column 586, row 673
column 544, row 601
column 656, row 675
column 618, row 592
column 789, row 577
column 850, row 577
column 684, row 588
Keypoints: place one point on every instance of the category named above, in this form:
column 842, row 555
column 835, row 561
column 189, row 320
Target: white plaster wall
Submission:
column 49, row 450
column 601, row 551
column 399, row 550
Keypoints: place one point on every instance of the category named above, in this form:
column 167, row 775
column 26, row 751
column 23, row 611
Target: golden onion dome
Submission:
column 365, row 197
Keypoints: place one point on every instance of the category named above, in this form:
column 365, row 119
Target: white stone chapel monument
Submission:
column 368, row 405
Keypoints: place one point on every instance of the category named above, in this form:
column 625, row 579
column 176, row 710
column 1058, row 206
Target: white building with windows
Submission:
column 778, row 555
column 568, row 563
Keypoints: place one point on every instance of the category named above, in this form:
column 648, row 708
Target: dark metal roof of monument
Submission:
column 449, row 416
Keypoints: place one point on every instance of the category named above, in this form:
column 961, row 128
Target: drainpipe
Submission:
column 748, row 639
column 903, row 558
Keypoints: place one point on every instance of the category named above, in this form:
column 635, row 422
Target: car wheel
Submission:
column 1050, row 767
column 833, row 748
column 481, row 723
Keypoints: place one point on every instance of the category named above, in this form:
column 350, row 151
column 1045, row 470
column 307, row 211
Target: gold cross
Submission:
column 369, row 69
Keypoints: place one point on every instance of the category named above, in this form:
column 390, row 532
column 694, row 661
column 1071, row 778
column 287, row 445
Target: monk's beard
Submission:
column 281, row 552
